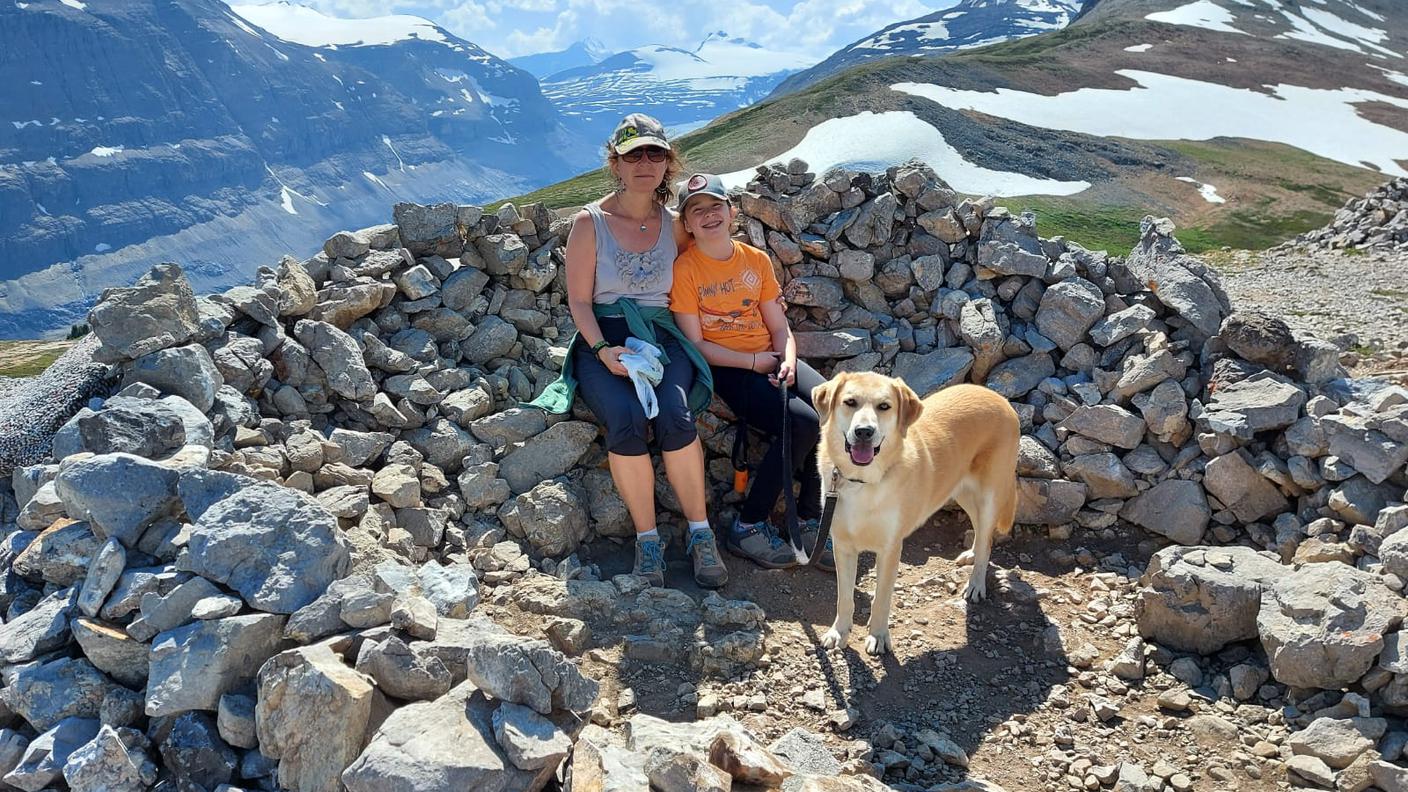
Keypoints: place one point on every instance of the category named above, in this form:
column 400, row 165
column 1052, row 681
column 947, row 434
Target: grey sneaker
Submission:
column 650, row 561
column 824, row 559
column 758, row 543
column 709, row 571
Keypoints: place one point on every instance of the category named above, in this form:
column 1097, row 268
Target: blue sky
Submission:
column 509, row 28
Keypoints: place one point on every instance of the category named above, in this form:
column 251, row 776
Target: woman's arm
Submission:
column 719, row 355
column 783, row 342
column 581, row 283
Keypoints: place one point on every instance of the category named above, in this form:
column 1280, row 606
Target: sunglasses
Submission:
column 655, row 153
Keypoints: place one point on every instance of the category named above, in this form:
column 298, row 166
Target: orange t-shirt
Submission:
column 727, row 295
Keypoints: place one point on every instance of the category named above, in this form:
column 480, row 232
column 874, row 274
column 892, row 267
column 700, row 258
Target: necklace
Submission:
column 642, row 221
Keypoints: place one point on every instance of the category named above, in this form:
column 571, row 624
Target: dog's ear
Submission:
column 823, row 394
column 910, row 407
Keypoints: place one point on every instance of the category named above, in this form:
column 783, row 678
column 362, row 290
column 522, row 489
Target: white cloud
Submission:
column 815, row 28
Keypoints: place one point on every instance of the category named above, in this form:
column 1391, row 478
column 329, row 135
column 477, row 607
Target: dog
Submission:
column 899, row 460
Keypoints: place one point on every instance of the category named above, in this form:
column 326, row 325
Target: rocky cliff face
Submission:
column 134, row 120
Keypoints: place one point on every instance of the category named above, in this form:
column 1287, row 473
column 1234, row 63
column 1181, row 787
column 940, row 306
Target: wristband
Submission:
column 598, row 346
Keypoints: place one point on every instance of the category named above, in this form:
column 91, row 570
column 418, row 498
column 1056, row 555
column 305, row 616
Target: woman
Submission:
column 725, row 299
column 620, row 258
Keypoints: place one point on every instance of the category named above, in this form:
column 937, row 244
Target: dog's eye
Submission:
column 883, row 406
column 849, row 402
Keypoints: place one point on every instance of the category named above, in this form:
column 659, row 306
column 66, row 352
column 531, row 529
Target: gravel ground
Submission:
column 1356, row 300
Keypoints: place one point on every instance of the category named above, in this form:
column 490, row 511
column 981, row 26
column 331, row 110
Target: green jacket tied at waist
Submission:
column 643, row 322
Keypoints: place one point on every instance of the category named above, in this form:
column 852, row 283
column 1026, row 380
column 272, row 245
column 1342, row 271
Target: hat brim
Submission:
column 685, row 199
column 643, row 140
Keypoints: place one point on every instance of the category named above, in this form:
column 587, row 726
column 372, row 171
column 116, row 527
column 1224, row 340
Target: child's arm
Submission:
column 783, row 342
column 719, row 355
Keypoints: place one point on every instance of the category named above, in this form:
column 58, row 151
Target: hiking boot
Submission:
column 709, row 571
column 823, row 558
column 758, row 543
column 650, row 561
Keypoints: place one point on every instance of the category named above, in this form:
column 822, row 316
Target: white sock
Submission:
column 653, row 533
column 702, row 525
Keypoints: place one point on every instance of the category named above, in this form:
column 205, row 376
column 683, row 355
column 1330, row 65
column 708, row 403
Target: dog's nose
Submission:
column 865, row 432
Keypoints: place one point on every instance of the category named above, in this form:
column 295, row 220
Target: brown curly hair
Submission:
column 665, row 193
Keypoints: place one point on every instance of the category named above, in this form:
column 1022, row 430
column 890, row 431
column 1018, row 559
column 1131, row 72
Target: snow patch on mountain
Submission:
column 1208, row 191
column 1199, row 13
column 1163, row 107
column 309, row 27
column 875, row 141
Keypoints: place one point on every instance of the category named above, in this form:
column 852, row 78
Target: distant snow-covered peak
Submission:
column 308, row 26
column 718, row 56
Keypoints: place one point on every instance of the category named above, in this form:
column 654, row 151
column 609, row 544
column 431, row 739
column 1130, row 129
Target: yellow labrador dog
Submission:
column 897, row 460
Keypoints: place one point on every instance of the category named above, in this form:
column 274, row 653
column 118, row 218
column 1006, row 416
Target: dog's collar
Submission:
column 836, row 478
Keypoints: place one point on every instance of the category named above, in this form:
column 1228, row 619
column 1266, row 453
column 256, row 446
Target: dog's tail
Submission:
column 1006, row 510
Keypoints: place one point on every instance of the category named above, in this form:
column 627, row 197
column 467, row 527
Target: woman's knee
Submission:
column 675, row 429
column 626, row 433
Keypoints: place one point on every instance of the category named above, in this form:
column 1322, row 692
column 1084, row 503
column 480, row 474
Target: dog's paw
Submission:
column 965, row 558
column 976, row 590
column 833, row 638
column 878, row 643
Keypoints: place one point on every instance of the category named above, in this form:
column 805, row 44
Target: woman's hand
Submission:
column 765, row 363
column 611, row 358
column 786, row 372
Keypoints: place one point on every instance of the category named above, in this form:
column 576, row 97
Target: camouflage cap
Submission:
column 636, row 130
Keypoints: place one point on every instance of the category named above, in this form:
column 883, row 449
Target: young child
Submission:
column 725, row 300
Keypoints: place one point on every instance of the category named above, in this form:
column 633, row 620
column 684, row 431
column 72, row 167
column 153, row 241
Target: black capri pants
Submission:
column 613, row 399
column 752, row 397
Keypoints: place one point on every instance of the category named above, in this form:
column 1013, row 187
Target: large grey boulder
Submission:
column 1322, row 626
column 186, row 371
column 119, row 494
column 980, row 330
column 41, row 629
column 529, row 672
column 1372, row 453
column 106, row 764
column 46, row 693
column 1043, row 501
column 157, row 312
column 447, row 743
column 1337, row 741
column 279, row 548
column 191, row 667
column 493, row 338
column 1261, row 338
column 1016, row 377
column 44, row 759
column 1244, row 491
column 1199, row 599
column 1175, row 508
column 530, row 740
column 312, row 716
column 1179, row 281
column 145, row 427
column 933, row 371
column 339, row 357
column 1068, row 309
column 551, row 517
column 1261, row 402
column 443, row 444
column 1107, row 423
column 404, row 671
column 430, row 230
column 113, row 651
column 547, row 455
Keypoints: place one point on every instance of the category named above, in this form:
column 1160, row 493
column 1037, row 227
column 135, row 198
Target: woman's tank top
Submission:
column 644, row 277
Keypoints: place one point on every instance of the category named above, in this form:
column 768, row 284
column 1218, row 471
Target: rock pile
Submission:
column 1379, row 220
column 288, row 514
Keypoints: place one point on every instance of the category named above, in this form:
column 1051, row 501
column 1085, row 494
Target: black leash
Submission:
column 805, row 556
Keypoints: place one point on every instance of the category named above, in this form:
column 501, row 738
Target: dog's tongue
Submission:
column 862, row 454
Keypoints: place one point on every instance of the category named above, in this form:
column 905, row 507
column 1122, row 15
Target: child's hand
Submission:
column 765, row 362
column 786, row 372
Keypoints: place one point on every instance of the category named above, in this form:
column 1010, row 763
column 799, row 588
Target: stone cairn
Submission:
column 1378, row 221
column 258, row 562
